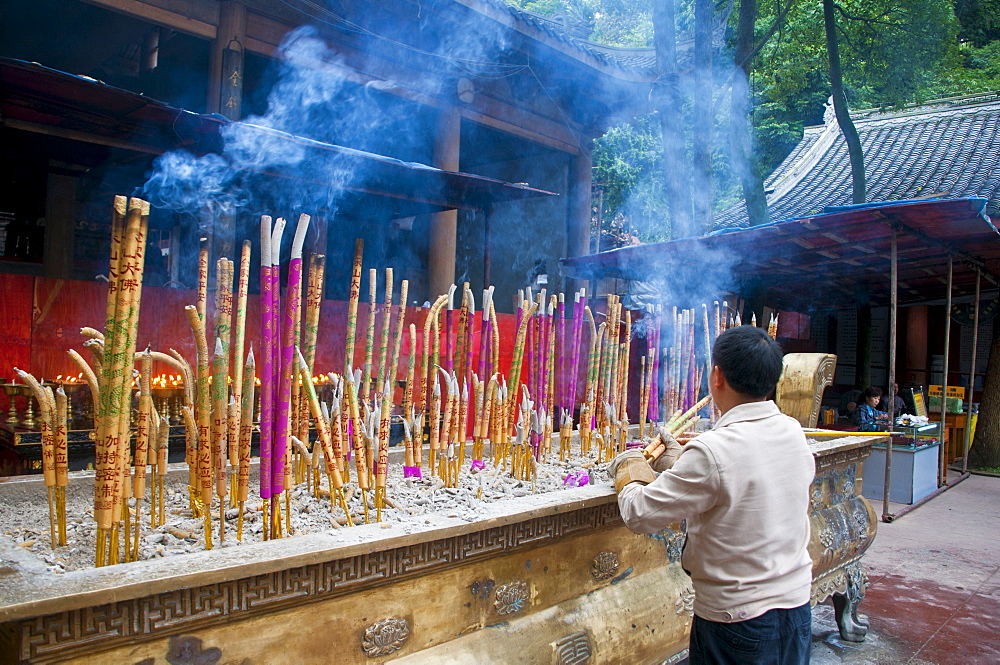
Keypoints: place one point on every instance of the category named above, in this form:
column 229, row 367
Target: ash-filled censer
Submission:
column 420, row 560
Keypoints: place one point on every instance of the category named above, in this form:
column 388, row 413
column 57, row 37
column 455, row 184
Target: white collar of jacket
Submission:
column 748, row 411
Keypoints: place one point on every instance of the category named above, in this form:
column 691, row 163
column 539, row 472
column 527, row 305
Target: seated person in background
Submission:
column 867, row 417
column 849, row 402
column 900, row 405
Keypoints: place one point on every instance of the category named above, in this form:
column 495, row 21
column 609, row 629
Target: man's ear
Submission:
column 716, row 377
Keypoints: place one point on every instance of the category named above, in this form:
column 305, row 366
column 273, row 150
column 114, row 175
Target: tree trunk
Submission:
column 702, row 121
column 840, row 106
column 985, row 451
column 740, row 129
column 667, row 101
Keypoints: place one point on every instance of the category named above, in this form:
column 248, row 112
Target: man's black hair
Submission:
column 749, row 359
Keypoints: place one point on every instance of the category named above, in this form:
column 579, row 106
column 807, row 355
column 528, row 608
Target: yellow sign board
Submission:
column 953, row 391
column 918, row 403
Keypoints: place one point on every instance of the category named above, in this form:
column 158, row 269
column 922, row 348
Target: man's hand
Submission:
column 672, row 449
column 630, row 467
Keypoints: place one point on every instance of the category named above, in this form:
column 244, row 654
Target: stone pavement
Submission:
column 934, row 594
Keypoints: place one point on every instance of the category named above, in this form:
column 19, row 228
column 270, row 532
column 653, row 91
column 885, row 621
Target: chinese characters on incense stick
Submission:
column 574, row 366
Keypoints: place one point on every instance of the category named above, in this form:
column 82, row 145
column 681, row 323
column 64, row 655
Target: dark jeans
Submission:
column 777, row 637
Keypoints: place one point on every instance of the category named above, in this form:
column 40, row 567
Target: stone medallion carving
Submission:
column 828, row 536
column 685, row 602
column 511, row 597
column 861, row 519
column 816, row 497
column 604, row 566
column 573, row 649
column 385, row 636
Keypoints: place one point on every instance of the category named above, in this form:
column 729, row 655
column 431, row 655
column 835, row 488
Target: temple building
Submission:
column 95, row 93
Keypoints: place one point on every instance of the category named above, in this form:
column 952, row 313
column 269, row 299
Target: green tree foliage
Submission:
column 628, row 166
column 894, row 52
column 624, row 23
column 979, row 21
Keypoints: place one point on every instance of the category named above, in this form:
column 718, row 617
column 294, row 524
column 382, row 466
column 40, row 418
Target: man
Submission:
column 744, row 489
column 899, row 407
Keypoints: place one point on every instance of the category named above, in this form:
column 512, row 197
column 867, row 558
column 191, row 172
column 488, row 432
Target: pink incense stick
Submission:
column 293, row 301
column 544, row 344
column 561, row 357
column 579, row 302
column 484, row 332
column 654, row 390
column 267, row 357
column 469, row 332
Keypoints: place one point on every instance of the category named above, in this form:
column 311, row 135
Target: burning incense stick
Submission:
column 143, row 427
column 397, row 336
column 293, row 301
column 237, row 363
column 325, row 439
column 370, row 335
column 246, row 436
column 383, row 347
column 124, row 290
column 61, row 460
column 267, row 358
column 46, row 405
column 382, row 461
column 202, row 302
column 219, row 430
column 410, row 467
column 352, row 307
column 360, row 455
column 203, row 418
column 517, row 359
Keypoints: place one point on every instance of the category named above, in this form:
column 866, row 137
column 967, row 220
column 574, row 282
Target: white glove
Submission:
column 671, row 452
column 630, row 467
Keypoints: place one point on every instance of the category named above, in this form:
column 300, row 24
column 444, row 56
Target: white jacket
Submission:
column 743, row 488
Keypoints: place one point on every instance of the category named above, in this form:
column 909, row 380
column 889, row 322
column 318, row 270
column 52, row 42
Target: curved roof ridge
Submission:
column 949, row 148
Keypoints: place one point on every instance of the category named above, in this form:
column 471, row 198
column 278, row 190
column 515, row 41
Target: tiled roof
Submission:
column 947, row 149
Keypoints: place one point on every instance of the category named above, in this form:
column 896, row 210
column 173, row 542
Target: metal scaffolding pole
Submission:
column 943, row 449
column 893, row 298
column 972, row 379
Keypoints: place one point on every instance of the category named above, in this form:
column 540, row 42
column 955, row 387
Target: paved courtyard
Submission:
column 934, row 596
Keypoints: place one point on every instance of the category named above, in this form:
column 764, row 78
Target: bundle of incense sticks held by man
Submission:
column 570, row 367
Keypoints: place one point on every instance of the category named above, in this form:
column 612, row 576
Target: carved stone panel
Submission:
column 385, row 636
column 511, row 597
column 573, row 649
column 604, row 566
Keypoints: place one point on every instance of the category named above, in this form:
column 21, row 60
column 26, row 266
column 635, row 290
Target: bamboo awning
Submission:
column 817, row 261
column 47, row 101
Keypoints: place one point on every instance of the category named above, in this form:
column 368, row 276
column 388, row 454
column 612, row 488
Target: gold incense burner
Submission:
column 540, row 578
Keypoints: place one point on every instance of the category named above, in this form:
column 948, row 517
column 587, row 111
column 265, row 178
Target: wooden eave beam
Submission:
column 200, row 18
column 265, row 34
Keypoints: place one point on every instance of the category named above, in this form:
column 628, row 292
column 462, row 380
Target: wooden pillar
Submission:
column 225, row 96
column 60, row 216
column 915, row 351
column 444, row 225
column 579, row 204
column 225, row 67
column 863, row 350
